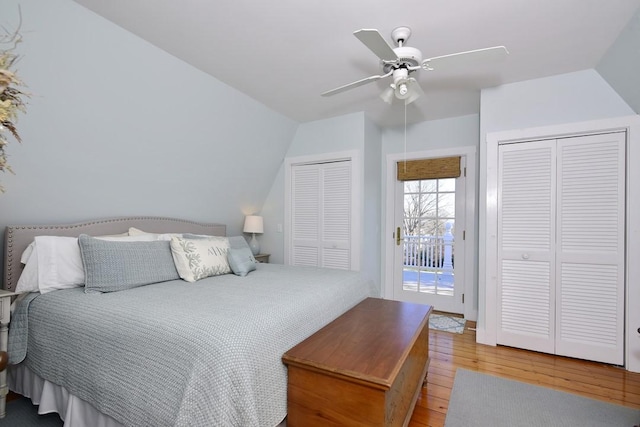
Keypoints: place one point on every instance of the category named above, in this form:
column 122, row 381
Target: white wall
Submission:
column 566, row 98
column 340, row 133
column 116, row 127
column 434, row 134
column 371, row 224
column 620, row 65
column 571, row 97
column 272, row 241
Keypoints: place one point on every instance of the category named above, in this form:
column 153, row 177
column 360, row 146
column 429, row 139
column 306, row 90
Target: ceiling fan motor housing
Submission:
column 407, row 57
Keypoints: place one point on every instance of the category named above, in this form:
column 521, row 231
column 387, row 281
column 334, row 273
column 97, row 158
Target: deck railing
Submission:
column 432, row 252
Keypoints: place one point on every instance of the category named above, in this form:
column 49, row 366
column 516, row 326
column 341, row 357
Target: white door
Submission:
column 526, row 266
column 590, row 267
column 321, row 212
column 429, row 252
column 561, row 225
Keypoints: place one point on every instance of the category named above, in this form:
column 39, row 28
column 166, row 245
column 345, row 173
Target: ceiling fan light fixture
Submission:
column 402, row 90
column 415, row 91
column 403, row 87
column 401, row 83
column 388, row 94
column 408, row 100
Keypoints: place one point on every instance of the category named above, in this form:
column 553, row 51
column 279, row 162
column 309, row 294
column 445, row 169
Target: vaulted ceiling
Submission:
column 285, row 53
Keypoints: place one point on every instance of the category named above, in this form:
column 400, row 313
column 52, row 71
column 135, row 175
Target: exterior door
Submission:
column 429, row 255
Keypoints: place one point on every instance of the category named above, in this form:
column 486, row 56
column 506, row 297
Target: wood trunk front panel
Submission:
column 364, row 369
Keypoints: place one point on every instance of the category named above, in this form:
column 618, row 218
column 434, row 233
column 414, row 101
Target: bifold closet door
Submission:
column 590, row 265
column 526, row 234
column 561, row 234
column 321, row 215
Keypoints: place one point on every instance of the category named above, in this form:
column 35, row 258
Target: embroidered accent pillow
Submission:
column 196, row 259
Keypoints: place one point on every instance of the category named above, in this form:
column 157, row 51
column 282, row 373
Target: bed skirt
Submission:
column 52, row 398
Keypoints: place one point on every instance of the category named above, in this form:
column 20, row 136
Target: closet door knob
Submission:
column 525, row 256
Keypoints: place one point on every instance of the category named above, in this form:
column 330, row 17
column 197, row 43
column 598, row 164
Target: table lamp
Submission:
column 253, row 224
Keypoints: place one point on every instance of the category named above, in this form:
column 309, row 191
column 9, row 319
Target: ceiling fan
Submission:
column 400, row 62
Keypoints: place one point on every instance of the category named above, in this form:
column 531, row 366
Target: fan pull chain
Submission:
column 405, row 137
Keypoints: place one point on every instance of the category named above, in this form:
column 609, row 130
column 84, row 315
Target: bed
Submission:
column 172, row 353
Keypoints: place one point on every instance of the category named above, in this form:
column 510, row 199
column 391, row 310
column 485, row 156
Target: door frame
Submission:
column 470, row 255
column 487, row 322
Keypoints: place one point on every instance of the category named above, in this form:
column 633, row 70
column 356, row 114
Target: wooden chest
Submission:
column 365, row 368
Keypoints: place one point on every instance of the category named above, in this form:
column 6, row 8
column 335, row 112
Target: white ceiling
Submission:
column 285, row 53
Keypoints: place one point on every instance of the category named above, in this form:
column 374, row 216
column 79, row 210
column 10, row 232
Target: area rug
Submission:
column 484, row 400
column 441, row 322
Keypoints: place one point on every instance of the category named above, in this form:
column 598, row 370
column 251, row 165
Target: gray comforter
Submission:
column 185, row 354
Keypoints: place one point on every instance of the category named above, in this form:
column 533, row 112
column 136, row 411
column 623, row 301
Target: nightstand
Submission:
column 5, row 317
column 262, row 258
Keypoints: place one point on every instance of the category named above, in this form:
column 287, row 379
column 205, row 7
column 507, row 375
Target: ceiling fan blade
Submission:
column 460, row 59
column 355, row 84
column 377, row 44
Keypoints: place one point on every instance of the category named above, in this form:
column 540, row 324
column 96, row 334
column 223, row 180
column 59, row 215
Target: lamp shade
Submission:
column 253, row 224
column 387, row 95
column 415, row 91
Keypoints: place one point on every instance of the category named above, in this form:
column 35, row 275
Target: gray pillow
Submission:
column 241, row 260
column 195, row 236
column 238, row 242
column 111, row 266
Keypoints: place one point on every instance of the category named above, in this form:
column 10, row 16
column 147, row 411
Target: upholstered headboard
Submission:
column 18, row 237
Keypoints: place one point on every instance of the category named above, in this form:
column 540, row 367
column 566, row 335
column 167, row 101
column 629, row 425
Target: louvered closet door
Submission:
column 336, row 215
column 526, row 209
column 321, row 215
column 590, row 247
column 305, row 215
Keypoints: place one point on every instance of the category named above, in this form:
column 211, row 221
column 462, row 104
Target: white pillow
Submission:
column 28, row 280
column 59, row 263
column 27, row 252
column 157, row 236
column 196, row 259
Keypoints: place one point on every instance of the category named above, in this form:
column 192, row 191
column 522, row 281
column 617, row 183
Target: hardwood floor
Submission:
column 451, row 351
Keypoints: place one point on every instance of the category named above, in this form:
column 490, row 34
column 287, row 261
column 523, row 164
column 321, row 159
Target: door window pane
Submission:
column 429, row 218
column 447, row 205
column 448, row 184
